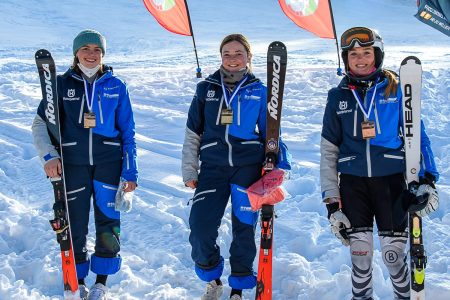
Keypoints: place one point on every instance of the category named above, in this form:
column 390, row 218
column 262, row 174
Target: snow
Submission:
column 159, row 67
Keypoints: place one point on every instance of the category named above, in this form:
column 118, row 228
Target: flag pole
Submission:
column 199, row 71
column 339, row 70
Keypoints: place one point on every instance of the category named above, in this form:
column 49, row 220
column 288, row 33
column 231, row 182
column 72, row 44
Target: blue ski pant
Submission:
column 99, row 182
column 215, row 186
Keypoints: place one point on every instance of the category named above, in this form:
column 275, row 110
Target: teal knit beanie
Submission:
column 89, row 36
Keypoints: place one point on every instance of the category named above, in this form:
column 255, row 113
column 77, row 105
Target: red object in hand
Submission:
column 267, row 190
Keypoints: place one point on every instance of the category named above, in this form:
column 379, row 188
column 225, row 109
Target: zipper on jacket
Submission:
column 377, row 123
column 369, row 161
column 239, row 110
column 91, row 158
column 100, row 108
column 230, row 148
column 80, row 118
column 355, row 120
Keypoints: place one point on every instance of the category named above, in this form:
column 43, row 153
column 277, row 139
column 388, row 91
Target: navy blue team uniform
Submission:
column 94, row 160
column 362, row 177
column 231, row 160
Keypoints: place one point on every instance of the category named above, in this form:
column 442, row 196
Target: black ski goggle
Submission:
column 365, row 37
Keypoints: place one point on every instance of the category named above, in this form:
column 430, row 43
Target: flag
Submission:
column 312, row 15
column 171, row 14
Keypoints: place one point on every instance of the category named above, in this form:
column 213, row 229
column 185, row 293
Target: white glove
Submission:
column 339, row 222
column 431, row 197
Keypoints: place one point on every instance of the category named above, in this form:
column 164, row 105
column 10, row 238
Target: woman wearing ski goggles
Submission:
column 365, row 37
column 362, row 163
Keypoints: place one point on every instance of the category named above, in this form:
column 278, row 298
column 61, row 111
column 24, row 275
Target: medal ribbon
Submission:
column 361, row 104
column 225, row 94
column 89, row 103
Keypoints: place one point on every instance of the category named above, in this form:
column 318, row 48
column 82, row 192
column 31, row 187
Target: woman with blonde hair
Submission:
column 226, row 130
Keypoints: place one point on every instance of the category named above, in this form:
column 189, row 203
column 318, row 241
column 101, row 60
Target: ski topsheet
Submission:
column 276, row 73
column 411, row 84
column 61, row 223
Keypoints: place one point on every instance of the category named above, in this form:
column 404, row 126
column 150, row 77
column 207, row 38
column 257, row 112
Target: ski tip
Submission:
column 277, row 44
column 42, row 53
column 411, row 60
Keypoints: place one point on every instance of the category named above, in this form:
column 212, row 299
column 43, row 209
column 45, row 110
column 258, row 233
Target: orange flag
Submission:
column 171, row 14
column 312, row 15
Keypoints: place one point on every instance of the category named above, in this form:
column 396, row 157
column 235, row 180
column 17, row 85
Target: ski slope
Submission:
column 159, row 67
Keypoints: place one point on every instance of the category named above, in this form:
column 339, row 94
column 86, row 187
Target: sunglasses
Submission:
column 363, row 36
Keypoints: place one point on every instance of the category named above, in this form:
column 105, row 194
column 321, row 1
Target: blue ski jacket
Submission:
column 112, row 138
column 238, row 144
column 342, row 133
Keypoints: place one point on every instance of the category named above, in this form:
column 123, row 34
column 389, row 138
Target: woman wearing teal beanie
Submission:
column 97, row 138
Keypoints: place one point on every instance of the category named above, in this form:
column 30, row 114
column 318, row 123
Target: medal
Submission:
column 89, row 120
column 368, row 129
column 89, row 117
column 226, row 116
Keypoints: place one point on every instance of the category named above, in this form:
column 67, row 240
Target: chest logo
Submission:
column 211, row 94
column 343, row 105
column 71, row 93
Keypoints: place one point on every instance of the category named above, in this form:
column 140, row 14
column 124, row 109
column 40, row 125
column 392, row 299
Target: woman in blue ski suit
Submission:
column 363, row 163
column 225, row 130
column 97, row 129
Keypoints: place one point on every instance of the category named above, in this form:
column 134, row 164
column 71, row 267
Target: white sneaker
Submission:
column 236, row 297
column 84, row 291
column 213, row 291
column 98, row 292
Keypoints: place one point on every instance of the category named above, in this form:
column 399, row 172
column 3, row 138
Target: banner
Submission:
column 435, row 13
column 171, row 14
column 312, row 15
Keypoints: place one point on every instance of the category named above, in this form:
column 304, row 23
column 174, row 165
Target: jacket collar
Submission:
column 216, row 79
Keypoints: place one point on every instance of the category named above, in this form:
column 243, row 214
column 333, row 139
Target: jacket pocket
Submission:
column 69, row 144
column 208, row 145
column 393, row 156
column 346, row 158
column 112, row 143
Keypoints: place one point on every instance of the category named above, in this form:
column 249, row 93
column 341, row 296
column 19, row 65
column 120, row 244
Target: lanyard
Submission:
column 365, row 111
column 225, row 94
column 89, row 103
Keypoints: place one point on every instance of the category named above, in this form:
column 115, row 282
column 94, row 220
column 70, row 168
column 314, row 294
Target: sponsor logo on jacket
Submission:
column 388, row 100
column 210, row 96
column 109, row 96
column 252, row 97
column 343, row 105
column 71, row 96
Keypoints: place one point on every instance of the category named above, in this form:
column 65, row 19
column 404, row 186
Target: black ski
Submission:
column 276, row 73
column 61, row 223
column 411, row 84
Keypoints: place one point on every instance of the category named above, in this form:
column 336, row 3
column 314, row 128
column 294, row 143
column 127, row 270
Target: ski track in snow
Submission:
column 309, row 262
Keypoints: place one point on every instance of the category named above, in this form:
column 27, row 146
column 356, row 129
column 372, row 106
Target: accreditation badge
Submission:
column 226, row 116
column 368, row 129
column 89, row 120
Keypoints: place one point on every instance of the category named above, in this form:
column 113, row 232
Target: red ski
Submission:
column 276, row 73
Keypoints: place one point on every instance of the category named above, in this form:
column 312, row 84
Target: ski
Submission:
column 276, row 73
column 61, row 223
column 411, row 85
